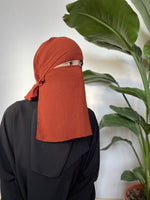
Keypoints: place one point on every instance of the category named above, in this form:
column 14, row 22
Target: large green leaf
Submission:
column 147, row 51
column 126, row 112
column 138, row 52
column 111, row 120
column 128, row 176
column 131, row 91
column 134, row 175
column 144, row 8
column 139, row 173
column 114, row 140
column 132, row 115
column 111, row 24
column 91, row 76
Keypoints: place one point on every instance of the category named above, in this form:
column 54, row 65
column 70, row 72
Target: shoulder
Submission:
column 17, row 118
column 91, row 113
column 19, row 107
column 94, row 123
column 92, row 117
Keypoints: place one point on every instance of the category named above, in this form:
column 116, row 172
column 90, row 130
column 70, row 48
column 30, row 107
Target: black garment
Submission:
column 35, row 170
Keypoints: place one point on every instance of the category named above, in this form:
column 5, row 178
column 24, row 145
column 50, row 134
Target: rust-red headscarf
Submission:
column 62, row 109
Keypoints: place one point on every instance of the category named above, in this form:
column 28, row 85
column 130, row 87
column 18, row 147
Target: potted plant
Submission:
column 114, row 25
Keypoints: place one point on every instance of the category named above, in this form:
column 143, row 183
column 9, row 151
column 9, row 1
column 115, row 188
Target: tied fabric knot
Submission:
column 41, row 81
column 34, row 91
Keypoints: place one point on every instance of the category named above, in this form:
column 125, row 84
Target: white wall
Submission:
column 25, row 24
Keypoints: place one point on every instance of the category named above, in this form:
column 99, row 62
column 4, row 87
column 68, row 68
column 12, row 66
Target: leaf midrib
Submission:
column 111, row 29
column 146, row 9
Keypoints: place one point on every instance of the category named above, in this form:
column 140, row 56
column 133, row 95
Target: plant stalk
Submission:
column 144, row 79
column 147, row 165
column 136, row 155
column 125, row 98
column 149, row 74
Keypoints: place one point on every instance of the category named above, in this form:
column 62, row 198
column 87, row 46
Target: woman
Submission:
column 49, row 142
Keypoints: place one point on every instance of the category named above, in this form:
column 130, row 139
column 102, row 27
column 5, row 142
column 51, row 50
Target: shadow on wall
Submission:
column 123, row 69
column 113, row 62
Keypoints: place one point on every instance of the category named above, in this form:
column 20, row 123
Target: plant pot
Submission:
column 130, row 188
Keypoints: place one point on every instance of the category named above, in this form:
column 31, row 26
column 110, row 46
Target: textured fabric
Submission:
column 27, row 173
column 62, row 108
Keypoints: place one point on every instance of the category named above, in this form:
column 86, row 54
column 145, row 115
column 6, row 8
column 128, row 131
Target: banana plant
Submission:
column 115, row 25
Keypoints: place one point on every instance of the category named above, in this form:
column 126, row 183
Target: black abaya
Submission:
column 35, row 170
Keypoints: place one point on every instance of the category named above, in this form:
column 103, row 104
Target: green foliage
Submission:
column 117, row 120
column 131, row 114
column 128, row 176
column 134, row 175
column 126, row 112
column 131, row 91
column 143, row 7
column 114, row 25
column 111, row 24
column 147, row 51
column 114, row 140
column 90, row 76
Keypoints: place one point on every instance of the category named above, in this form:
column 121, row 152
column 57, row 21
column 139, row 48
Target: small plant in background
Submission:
column 114, row 25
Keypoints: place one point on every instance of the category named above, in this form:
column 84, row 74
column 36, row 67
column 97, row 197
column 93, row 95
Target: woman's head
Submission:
column 55, row 52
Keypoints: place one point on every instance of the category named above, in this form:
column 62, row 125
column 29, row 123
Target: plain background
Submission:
column 24, row 25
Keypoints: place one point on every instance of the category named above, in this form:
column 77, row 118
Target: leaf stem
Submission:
column 136, row 155
column 126, row 45
column 147, row 165
column 144, row 79
column 149, row 74
column 125, row 97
